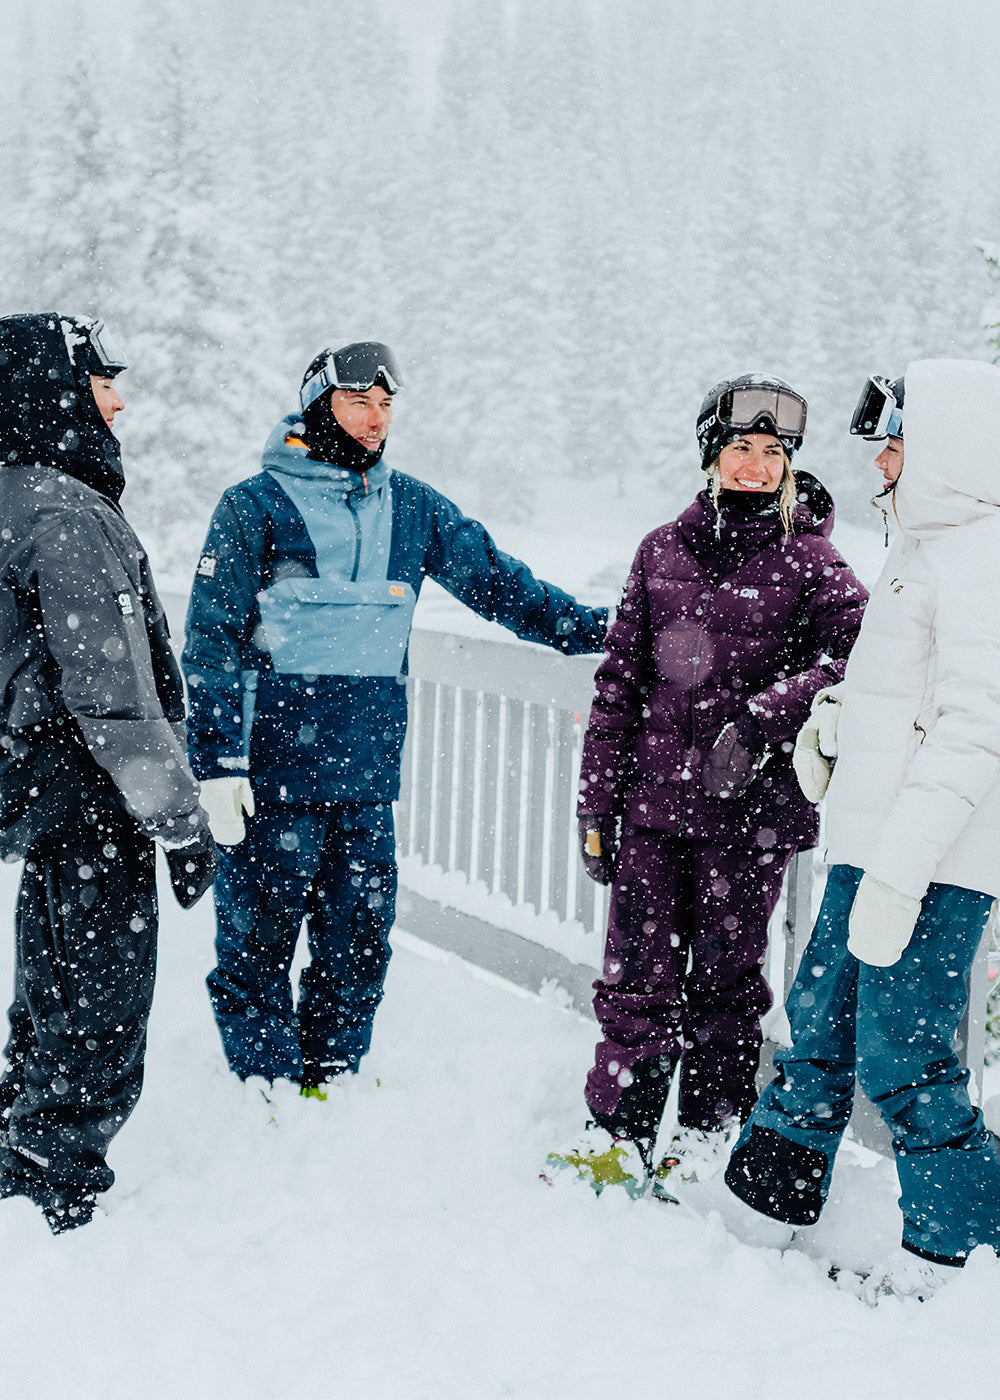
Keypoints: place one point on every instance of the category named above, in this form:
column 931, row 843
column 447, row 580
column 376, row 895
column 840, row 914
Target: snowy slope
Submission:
column 395, row 1243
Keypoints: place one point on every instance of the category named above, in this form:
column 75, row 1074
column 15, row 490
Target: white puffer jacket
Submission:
column 915, row 794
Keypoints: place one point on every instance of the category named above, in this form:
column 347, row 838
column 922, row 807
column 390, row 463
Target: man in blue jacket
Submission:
column 295, row 660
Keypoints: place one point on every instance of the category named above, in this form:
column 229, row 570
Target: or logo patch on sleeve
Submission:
column 208, row 566
column 125, row 604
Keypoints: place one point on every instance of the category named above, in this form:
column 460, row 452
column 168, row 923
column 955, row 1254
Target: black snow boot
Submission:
column 640, row 1108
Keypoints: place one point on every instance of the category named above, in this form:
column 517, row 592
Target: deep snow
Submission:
column 395, row 1243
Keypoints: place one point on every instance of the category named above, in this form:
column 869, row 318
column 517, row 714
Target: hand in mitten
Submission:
column 599, row 846
column 881, row 922
column 192, row 868
column 826, row 706
column 225, row 800
column 816, row 744
column 734, row 758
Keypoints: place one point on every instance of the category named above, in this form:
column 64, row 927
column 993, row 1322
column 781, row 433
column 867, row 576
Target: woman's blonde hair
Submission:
column 787, row 493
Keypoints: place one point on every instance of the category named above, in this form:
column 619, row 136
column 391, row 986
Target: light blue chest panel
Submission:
column 351, row 532
column 351, row 620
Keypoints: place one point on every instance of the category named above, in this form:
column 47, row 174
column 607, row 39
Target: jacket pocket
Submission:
column 333, row 627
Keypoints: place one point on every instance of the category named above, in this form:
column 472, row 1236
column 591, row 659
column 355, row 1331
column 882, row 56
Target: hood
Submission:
column 286, row 454
column 48, row 415
column 814, row 508
column 951, row 426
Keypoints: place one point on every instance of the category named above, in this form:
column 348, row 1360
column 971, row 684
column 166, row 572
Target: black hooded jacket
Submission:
column 89, row 687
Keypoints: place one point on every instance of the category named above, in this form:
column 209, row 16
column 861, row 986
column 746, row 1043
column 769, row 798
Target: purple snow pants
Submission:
column 683, row 971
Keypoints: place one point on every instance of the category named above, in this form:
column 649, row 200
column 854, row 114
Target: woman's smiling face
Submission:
column 754, row 462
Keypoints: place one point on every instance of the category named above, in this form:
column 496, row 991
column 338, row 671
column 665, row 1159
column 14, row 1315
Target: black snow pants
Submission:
column 83, row 986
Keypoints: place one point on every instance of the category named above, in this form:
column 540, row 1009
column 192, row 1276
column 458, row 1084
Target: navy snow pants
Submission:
column 684, row 972
column 333, row 865
column 83, row 985
column 892, row 1028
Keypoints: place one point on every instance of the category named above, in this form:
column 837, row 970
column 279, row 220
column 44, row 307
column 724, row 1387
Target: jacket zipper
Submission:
column 707, row 606
column 357, row 541
column 357, row 528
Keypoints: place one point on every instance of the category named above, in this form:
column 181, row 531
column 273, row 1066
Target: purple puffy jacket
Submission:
column 717, row 619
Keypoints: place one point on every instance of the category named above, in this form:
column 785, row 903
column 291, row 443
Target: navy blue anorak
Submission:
column 321, row 736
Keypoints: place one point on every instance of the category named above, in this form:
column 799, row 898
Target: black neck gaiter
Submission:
column 329, row 442
column 751, row 503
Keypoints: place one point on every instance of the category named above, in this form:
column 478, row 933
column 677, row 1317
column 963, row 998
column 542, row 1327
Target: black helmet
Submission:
column 751, row 403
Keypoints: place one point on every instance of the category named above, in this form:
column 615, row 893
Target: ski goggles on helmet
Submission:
column 110, row 363
column 89, row 350
column 877, row 415
column 358, row 366
column 749, row 406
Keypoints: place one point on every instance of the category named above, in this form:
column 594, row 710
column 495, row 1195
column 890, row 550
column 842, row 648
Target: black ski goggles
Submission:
column 746, row 406
column 357, row 366
column 877, row 415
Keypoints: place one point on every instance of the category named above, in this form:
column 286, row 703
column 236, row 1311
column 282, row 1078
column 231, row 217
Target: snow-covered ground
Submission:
column 395, row 1242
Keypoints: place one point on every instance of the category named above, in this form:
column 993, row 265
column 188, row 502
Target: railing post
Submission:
column 797, row 924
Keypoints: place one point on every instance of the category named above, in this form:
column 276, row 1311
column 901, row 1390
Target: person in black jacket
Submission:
column 93, row 767
column 295, row 659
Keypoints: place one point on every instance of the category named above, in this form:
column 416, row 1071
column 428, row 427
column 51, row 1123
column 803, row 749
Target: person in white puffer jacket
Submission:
column 913, row 840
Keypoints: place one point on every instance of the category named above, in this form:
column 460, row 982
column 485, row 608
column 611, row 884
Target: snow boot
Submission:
column 601, row 1159
column 694, row 1154
column 641, row 1102
column 907, row 1275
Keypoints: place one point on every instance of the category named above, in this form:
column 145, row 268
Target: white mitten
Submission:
column 811, row 768
column 816, row 743
column 826, row 706
column 225, row 800
column 881, row 922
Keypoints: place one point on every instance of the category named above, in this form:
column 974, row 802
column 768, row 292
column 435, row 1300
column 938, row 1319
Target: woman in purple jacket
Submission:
column 733, row 617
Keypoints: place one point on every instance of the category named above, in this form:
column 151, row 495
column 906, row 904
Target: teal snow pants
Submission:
column 893, row 1029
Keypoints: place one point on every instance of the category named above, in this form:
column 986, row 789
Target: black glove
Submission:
column 734, row 758
column 599, row 846
column 192, row 869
